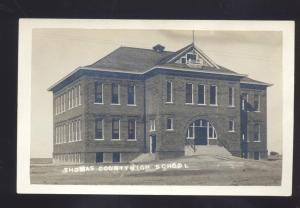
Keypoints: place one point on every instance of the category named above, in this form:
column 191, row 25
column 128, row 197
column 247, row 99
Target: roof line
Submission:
column 256, row 83
column 205, row 56
column 179, row 53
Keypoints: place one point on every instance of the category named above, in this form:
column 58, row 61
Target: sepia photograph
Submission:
column 155, row 107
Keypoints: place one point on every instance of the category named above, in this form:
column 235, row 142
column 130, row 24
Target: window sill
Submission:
column 134, row 105
column 169, row 103
column 256, row 111
column 212, row 138
column 98, row 103
column 115, row 139
column 115, row 104
column 169, row 129
column 204, row 104
column 213, row 105
column 190, row 138
column 131, row 140
column 188, row 103
column 231, row 131
column 231, row 106
column 257, row 141
column 99, row 139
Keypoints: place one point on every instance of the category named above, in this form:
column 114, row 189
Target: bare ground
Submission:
column 201, row 170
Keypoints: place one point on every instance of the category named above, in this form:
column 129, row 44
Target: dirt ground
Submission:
column 193, row 170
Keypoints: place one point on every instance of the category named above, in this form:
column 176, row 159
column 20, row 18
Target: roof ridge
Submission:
column 149, row 49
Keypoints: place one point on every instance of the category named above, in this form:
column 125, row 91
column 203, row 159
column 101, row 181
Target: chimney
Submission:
column 158, row 48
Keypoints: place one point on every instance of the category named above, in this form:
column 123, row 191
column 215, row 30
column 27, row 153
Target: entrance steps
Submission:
column 145, row 157
column 214, row 150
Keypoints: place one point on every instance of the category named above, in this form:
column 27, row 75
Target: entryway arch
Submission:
column 200, row 131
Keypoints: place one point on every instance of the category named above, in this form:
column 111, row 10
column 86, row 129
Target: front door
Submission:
column 200, row 135
column 153, row 144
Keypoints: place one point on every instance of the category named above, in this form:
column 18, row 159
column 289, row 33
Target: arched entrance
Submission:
column 200, row 132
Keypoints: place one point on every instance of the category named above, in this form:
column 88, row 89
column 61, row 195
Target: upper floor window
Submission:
column 169, row 92
column 256, row 133
column 231, row 96
column 115, row 93
column 99, row 128
column 183, row 60
column 191, row 58
column 131, row 129
column 152, row 125
column 98, row 92
column 170, row 123
column 131, row 94
column 213, row 95
column 115, row 129
column 201, row 94
column 256, row 103
column 189, row 93
column 244, row 101
column 231, row 126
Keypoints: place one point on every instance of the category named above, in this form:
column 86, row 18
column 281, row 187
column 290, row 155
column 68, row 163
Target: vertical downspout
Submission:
column 145, row 147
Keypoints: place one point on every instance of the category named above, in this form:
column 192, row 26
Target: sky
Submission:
column 57, row 52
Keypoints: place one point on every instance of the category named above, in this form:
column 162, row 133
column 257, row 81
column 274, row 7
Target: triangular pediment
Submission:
column 193, row 57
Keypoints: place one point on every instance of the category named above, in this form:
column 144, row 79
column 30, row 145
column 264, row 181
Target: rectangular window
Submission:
column 201, row 94
column 152, row 125
column 256, row 155
column 70, row 99
column 115, row 129
column 79, row 130
column 169, row 92
column 256, row 130
column 231, row 126
column 131, row 129
column 69, row 132
column 131, row 94
column 170, row 124
column 231, row 96
column 213, row 95
column 183, row 60
column 191, row 58
column 115, row 88
column 116, row 157
column 72, row 133
column 190, row 133
column 56, row 135
column 79, row 95
column 99, row 157
column 256, row 103
column 75, row 131
column 244, row 101
column 65, row 133
column 189, row 93
column 99, row 127
column 76, row 96
column 98, row 92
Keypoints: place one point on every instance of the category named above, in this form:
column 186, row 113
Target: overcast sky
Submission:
column 57, row 52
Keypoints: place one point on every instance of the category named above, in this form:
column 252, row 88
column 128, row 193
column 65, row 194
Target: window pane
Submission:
column 213, row 94
column 98, row 129
column 99, row 157
column 131, row 129
column 115, row 93
column 256, row 136
column 115, row 129
column 169, row 91
column 131, row 94
column 169, row 123
column 116, row 157
column 201, row 94
column 230, row 94
column 98, row 92
column 256, row 103
column 189, row 93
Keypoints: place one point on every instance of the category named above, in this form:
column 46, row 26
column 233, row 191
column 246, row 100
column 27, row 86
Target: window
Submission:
column 99, row 157
column 231, row 96
column 116, row 157
column 256, row 132
column 170, row 124
column 65, row 133
column 190, row 133
column 98, row 92
column 201, row 94
column 211, row 132
column 70, row 134
column 131, row 129
column 76, row 96
column 183, row 60
column 244, row 101
column 115, row 93
column 169, row 92
column 79, row 130
column 191, row 58
column 56, row 135
column 256, row 155
column 256, row 103
column 99, row 124
column 115, row 129
column 189, row 93
column 75, row 131
column 70, row 99
column 79, row 98
column 213, row 95
column 231, row 126
column 152, row 125
column 131, row 94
